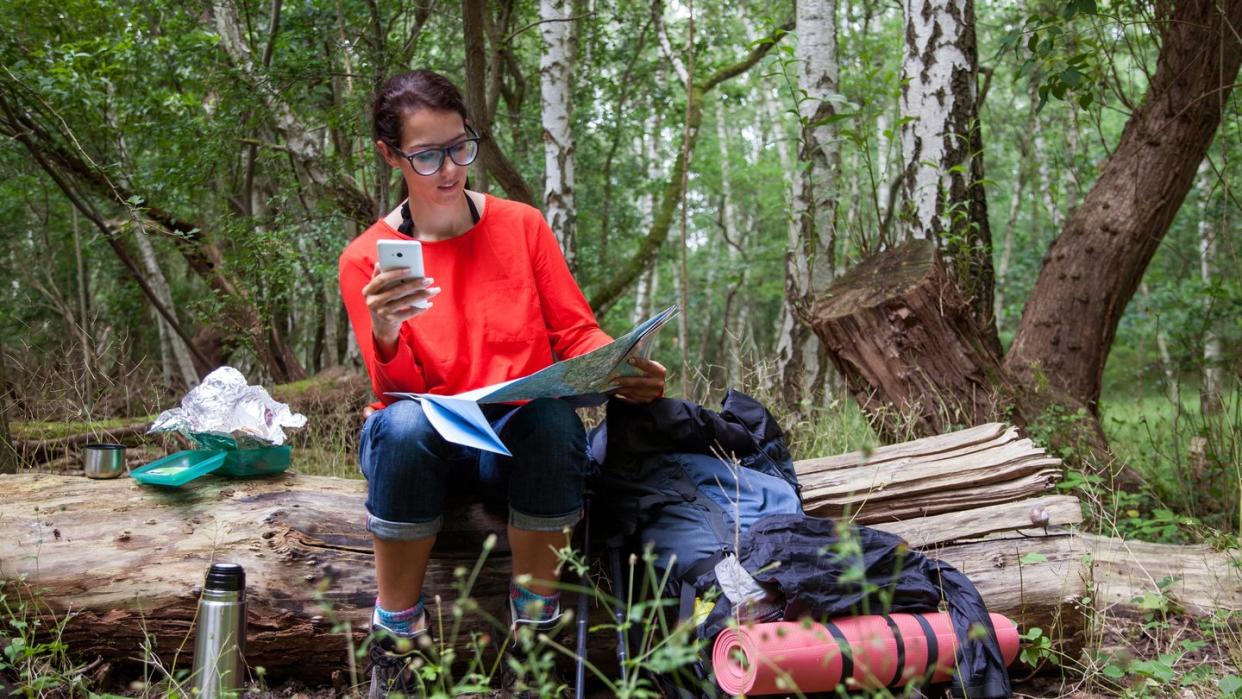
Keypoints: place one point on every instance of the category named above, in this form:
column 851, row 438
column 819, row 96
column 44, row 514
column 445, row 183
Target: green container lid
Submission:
column 178, row 469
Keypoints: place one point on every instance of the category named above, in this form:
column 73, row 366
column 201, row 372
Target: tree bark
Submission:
column 180, row 352
column 556, row 72
column 1213, row 374
column 942, row 148
column 493, row 159
column 809, row 261
column 900, row 333
column 732, row 319
column 1094, row 267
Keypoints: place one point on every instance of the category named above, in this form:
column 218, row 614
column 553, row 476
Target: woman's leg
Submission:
column 407, row 465
column 399, row 569
column 546, row 476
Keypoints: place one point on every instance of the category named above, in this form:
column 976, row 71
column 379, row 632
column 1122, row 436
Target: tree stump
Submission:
column 896, row 327
column 901, row 334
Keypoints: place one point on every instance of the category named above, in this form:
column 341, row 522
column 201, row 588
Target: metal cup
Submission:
column 103, row 460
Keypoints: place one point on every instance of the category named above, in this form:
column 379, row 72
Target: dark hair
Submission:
column 406, row 92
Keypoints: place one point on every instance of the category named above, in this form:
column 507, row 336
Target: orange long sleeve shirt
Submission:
column 508, row 306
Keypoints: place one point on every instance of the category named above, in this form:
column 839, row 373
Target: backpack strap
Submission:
column 847, row 653
column 901, row 650
column 933, row 646
column 685, row 609
column 716, row 517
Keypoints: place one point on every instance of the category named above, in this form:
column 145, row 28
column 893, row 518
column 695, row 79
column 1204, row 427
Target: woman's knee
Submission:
column 405, row 479
column 546, row 419
column 397, row 438
column 549, row 464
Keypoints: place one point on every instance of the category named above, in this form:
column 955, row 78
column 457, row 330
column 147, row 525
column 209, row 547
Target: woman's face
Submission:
column 427, row 128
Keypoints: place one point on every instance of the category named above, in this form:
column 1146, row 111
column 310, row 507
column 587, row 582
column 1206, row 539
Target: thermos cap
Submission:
column 226, row 577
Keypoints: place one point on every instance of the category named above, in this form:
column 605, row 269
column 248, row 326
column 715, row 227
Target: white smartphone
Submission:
column 401, row 254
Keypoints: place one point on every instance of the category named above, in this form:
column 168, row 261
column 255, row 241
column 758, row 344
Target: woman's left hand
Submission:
column 645, row 388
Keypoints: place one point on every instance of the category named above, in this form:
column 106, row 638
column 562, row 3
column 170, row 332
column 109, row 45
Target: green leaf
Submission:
column 1071, row 77
column 1230, row 686
column 1032, row 558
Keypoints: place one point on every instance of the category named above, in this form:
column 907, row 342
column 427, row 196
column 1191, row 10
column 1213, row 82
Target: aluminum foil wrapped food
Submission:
column 224, row 412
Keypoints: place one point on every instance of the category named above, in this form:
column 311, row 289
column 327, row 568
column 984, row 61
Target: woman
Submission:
column 501, row 305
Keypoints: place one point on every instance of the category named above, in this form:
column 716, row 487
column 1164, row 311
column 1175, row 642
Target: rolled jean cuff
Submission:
column 536, row 523
column 403, row 531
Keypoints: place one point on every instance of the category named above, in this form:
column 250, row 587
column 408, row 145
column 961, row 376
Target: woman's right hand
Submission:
column 393, row 298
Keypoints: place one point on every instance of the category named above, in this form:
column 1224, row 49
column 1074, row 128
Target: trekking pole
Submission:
column 584, row 583
column 618, row 610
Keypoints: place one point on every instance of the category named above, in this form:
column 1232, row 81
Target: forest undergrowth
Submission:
column 1189, row 460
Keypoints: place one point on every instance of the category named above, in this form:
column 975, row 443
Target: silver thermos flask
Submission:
column 220, row 643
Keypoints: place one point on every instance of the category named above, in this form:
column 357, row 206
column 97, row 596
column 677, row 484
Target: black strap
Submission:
column 407, row 219
column 847, row 653
column 901, row 650
column 701, row 566
column 685, row 610
column 933, row 645
column 717, row 519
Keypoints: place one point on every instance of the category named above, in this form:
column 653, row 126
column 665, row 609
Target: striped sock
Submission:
column 532, row 606
column 402, row 623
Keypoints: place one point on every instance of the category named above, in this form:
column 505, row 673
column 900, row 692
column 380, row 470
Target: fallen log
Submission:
column 986, row 465
column 41, row 449
column 120, row 564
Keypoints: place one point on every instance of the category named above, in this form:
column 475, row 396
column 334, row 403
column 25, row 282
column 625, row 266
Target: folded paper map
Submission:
column 586, row 379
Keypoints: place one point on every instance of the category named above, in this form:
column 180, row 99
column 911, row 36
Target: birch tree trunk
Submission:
column 556, row 106
column 648, row 283
column 159, row 284
column 730, row 329
column 1015, row 207
column 942, row 148
column 1167, row 366
column 1210, row 390
column 84, row 319
column 1045, row 186
column 809, row 260
column 1002, row 265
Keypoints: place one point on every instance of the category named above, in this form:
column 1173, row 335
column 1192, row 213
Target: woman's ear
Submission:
column 387, row 154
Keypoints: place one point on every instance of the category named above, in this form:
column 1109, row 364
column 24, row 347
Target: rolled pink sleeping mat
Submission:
column 886, row 651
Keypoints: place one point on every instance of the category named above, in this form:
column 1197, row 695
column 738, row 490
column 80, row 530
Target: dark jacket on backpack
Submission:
column 698, row 484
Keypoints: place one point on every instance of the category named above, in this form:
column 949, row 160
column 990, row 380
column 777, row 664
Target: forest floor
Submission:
column 1156, row 652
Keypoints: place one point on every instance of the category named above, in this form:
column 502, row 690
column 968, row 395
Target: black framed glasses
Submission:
column 428, row 161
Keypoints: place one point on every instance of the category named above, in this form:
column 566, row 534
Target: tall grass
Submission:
column 1191, row 461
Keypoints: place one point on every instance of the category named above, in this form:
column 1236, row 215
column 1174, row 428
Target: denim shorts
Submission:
column 410, row 468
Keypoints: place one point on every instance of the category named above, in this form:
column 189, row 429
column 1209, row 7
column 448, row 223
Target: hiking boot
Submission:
column 394, row 664
column 528, row 669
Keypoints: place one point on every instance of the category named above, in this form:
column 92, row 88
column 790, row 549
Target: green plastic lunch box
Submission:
column 176, row 470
